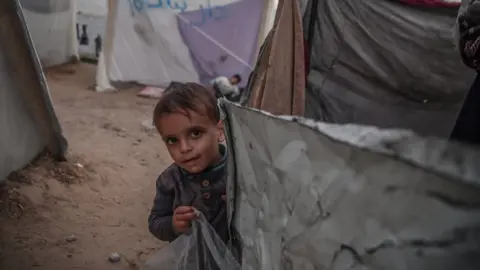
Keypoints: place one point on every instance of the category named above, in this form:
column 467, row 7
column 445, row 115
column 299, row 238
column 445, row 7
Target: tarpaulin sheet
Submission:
column 27, row 118
column 312, row 195
column 223, row 39
column 20, row 140
column 147, row 47
column 278, row 83
column 387, row 64
column 52, row 26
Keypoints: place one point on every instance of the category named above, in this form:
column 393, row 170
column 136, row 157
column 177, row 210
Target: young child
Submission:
column 188, row 119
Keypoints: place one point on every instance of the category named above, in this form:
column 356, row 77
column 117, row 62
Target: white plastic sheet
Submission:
column 147, row 46
column 52, row 26
column 202, row 249
column 322, row 196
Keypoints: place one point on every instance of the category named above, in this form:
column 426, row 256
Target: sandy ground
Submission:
column 72, row 215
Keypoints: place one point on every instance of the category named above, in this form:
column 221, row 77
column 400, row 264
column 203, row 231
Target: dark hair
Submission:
column 187, row 96
column 238, row 77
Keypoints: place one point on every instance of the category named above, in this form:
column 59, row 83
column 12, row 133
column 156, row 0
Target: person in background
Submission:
column 227, row 87
column 467, row 126
column 84, row 40
column 98, row 45
column 188, row 120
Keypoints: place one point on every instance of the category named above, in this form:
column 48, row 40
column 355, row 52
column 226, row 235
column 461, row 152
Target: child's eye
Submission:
column 170, row 140
column 196, row 134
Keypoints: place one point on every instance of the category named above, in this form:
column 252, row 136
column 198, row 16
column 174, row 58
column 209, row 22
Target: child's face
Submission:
column 192, row 139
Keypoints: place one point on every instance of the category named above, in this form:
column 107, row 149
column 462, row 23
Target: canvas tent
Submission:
column 52, row 27
column 334, row 196
column 155, row 44
column 328, row 196
column 27, row 117
column 391, row 64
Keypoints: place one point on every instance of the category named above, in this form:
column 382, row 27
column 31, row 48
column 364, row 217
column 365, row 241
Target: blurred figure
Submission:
column 84, row 36
column 98, row 45
column 226, row 87
column 467, row 127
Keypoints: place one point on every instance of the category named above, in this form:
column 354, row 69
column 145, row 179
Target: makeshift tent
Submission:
column 27, row 117
column 155, row 44
column 333, row 196
column 310, row 195
column 90, row 27
column 52, row 27
column 392, row 64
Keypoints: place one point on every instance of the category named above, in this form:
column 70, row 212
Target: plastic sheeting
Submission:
column 224, row 43
column 27, row 119
column 324, row 196
column 52, row 26
column 387, row 64
column 145, row 44
column 278, row 83
column 201, row 249
column 20, row 140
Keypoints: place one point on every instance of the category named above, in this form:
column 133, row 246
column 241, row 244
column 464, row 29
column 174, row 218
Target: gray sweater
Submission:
column 203, row 191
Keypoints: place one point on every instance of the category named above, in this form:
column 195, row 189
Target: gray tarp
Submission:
column 325, row 196
column 383, row 63
column 27, row 120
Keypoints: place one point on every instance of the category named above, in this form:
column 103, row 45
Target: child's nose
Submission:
column 185, row 146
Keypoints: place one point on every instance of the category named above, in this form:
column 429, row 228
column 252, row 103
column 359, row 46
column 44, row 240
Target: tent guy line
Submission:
column 218, row 44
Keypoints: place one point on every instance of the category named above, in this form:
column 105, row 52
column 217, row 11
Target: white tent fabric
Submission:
column 148, row 48
column 326, row 196
column 52, row 27
column 27, row 117
column 93, row 7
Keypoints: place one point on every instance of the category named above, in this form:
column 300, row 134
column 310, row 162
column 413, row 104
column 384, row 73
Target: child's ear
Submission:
column 221, row 134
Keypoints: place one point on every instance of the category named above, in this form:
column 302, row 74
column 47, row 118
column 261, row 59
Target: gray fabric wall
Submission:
column 386, row 64
column 20, row 139
column 27, row 118
column 325, row 196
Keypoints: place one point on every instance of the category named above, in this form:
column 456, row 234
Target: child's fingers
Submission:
column 183, row 210
column 186, row 216
column 182, row 225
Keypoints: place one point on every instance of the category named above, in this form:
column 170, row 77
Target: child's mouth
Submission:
column 190, row 160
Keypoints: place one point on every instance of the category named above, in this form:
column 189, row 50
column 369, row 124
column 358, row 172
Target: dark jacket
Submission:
column 203, row 191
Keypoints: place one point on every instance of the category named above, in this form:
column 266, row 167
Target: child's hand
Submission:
column 182, row 218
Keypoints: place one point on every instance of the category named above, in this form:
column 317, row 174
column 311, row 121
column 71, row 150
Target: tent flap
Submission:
column 327, row 196
column 278, row 84
column 27, row 117
column 52, row 28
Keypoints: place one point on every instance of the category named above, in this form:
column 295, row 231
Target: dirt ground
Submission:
column 72, row 215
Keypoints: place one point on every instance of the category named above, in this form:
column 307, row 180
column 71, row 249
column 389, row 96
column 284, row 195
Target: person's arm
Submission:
column 161, row 216
column 214, row 81
column 469, row 33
